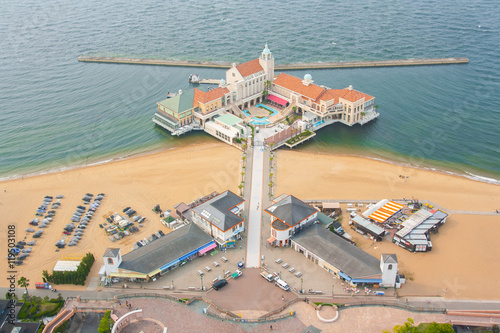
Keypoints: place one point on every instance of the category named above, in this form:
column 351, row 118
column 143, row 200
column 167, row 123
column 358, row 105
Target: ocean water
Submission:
column 56, row 113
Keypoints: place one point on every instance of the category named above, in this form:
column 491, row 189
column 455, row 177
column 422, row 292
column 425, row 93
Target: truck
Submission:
column 268, row 276
column 236, row 274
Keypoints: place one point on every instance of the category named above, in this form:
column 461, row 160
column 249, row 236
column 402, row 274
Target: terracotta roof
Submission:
column 295, row 84
column 249, row 67
column 349, row 95
column 354, row 95
column 211, row 95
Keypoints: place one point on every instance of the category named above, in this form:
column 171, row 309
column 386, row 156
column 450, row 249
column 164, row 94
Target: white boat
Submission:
column 194, row 78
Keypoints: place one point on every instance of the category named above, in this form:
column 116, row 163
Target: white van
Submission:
column 282, row 284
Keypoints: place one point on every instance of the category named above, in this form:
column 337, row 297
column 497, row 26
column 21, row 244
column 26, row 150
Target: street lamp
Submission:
column 201, row 276
column 301, row 290
column 332, row 291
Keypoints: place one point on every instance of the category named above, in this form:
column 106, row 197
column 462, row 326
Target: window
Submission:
column 110, row 261
column 389, row 267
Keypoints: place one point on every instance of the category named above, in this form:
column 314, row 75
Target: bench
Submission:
column 200, row 273
column 278, row 261
column 216, row 264
column 224, row 259
column 285, row 265
column 298, row 274
column 291, row 270
column 208, row 269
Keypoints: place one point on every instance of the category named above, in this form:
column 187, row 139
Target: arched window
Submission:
column 110, row 261
column 389, row 267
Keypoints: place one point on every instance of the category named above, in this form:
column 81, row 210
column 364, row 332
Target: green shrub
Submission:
column 49, row 313
column 78, row 277
column 23, row 313
column 105, row 323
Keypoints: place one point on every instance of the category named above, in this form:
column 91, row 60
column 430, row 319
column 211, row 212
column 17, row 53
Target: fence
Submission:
column 393, row 304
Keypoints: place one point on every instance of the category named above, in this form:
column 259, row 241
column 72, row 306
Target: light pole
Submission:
column 301, row 290
column 201, row 276
column 332, row 291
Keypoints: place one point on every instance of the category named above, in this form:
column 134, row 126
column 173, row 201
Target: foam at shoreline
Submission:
column 155, row 150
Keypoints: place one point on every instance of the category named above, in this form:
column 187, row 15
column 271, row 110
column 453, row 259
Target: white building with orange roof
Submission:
column 248, row 79
column 215, row 109
column 319, row 104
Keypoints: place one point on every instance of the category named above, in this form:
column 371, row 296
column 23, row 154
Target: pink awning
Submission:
column 277, row 99
column 208, row 248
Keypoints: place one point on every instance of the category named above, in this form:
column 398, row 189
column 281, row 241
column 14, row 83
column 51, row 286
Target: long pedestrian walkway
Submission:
column 255, row 208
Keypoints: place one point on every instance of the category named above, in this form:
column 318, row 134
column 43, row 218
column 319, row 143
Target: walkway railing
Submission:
column 392, row 304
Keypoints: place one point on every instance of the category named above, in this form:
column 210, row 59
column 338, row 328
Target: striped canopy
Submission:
column 386, row 211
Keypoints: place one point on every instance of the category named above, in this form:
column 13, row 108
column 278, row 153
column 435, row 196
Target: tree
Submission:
column 438, row 328
column 106, row 323
column 407, row 327
column 10, row 295
column 24, row 283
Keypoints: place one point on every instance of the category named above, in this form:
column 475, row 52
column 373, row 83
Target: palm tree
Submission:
column 24, row 283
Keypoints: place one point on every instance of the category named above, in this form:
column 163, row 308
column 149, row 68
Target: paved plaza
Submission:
column 186, row 277
column 181, row 318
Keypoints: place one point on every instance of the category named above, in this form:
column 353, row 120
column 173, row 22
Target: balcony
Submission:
column 164, row 120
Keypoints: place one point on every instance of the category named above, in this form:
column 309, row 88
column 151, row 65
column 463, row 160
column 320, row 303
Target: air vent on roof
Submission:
column 215, row 221
column 205, row 214
column 272, row 208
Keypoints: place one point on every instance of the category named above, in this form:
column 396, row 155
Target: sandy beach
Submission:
column 164, row 178
column 463, row 262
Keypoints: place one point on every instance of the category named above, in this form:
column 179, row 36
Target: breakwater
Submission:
column 291, row 66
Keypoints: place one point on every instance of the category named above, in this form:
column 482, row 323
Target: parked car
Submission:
column 219, row 284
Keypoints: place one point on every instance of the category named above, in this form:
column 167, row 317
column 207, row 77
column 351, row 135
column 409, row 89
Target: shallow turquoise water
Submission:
column 56, row 112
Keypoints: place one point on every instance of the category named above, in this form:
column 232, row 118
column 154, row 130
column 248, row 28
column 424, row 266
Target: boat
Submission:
column 194, row 78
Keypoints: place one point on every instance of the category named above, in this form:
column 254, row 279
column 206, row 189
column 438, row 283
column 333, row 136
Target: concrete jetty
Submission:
column 291, row 66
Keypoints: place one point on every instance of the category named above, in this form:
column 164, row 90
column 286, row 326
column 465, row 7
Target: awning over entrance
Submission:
column 170, row 264
column 367, row 281
column 271, row 240
column 128, row 275
column 208, row 248
column 277, row 99
column 345, row 276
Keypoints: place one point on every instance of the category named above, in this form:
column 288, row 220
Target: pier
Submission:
column 291, row 66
